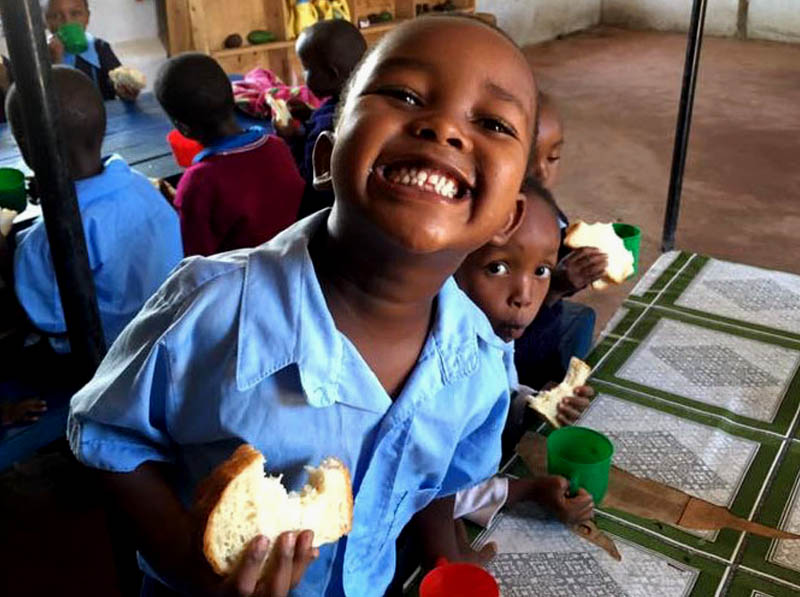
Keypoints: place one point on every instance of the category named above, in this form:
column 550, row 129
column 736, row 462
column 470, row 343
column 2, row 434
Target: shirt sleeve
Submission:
column 35, row 281
column 119, row 419
column 480, row 504
column 108, row 62
column 194, row 200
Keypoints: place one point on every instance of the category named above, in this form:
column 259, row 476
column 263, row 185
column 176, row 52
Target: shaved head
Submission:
column 82, row 115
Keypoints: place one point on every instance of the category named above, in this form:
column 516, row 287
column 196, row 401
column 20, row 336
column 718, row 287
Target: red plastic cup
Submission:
column 183, row 148
column 458, row 580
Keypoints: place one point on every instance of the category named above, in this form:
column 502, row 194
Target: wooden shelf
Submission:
column 202, row 25
column 273, row 45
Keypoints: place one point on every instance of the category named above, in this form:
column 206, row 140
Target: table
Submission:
column 136, row 131
column 698, row 387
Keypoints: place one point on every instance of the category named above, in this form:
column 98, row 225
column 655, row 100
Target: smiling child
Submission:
column 343, row 336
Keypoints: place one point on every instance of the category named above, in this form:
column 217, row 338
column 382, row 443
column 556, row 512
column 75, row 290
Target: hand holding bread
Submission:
column 257, row 534
column 556, row 405
column 602, row 236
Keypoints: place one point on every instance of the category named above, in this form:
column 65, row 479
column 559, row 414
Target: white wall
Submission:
column 671, row 15
column 774, row 19
column 529, row 21
column 123, row 20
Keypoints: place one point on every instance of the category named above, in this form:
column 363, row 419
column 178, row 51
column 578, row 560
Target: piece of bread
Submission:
column 620, row 260
column 129, row 77
column 239, row 502
column 546, row 403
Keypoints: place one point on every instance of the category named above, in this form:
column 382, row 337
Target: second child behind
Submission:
column 244, row 187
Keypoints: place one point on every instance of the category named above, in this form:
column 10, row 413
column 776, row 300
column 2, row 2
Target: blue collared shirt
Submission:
column 134, row 241
column 90, row 55
column 241, row 347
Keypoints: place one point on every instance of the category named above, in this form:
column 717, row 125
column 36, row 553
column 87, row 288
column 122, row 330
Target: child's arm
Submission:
column 443, row 536
column 194, row 200
column 5, row 81
column 575, row 272
column 169, row 538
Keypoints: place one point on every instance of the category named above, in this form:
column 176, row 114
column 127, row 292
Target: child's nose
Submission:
column 522, row 296
column 442, row 130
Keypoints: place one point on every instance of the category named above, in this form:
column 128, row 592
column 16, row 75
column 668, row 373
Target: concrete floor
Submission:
column 618, row 91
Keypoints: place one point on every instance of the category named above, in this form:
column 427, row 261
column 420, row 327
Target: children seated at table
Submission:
column 132, row 234
column 562, row 329
column 244, row 187
column 344, row 336
column 509, row 283
column 96, row 62
column 329, row 51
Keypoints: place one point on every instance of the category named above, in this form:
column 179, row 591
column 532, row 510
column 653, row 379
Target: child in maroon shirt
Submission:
column 244, row 187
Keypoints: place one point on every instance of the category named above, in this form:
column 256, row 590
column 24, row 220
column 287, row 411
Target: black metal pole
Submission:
column 693, row 44
column 30, row 63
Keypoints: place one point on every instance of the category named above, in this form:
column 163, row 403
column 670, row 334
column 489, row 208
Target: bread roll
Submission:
column 129, row 77
column 546, row 403
column 239, row 502
column 620, row 260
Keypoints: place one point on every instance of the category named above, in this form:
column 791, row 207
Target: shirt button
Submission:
column 321, row 397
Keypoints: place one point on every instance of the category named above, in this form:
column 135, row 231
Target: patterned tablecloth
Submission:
column 698, row 387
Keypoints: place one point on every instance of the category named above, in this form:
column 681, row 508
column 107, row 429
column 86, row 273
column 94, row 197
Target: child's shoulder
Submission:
column 265, row 272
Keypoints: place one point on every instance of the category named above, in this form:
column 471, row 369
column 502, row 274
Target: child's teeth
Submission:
column 406, row 179
column 422, row 177
column 434, row 179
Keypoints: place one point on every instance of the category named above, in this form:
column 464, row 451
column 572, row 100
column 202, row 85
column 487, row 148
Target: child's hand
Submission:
column 56, row 50
column 551, row 492
column 126, row 93
column 6, row 220
column 571, row 407
column 579, row 269
column 23, row 412
column 286, row 566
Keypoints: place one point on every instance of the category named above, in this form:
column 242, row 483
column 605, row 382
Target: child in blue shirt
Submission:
column 132, row 233
column 96, row 62
column 343, row 336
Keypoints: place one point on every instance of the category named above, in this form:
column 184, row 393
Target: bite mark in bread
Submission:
column 546, row 403
column 238, row 502
column 602, row 236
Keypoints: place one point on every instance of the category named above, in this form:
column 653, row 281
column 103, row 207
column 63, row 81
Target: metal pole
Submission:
column 30, row 62
column 693, row 44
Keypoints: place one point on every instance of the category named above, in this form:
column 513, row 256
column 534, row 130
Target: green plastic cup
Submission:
column 632, row 239
column 12, row 190
column 73, row 37
column 583, row 456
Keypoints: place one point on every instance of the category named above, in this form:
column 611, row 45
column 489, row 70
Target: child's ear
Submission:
column 513, row 222
column 321, row 158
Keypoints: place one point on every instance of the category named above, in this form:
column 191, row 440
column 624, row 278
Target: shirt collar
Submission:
column 90, row 55
column 300, row 329
column 244, row 141
column 115, row 175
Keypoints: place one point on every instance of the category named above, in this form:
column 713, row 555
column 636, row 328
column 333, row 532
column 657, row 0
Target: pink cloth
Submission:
column 255, row 95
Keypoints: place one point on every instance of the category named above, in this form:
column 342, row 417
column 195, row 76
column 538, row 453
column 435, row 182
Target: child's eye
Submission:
column 543, row 272
column 404, row 95
column 497, row 126
column 553, row 158
column 498, row 268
